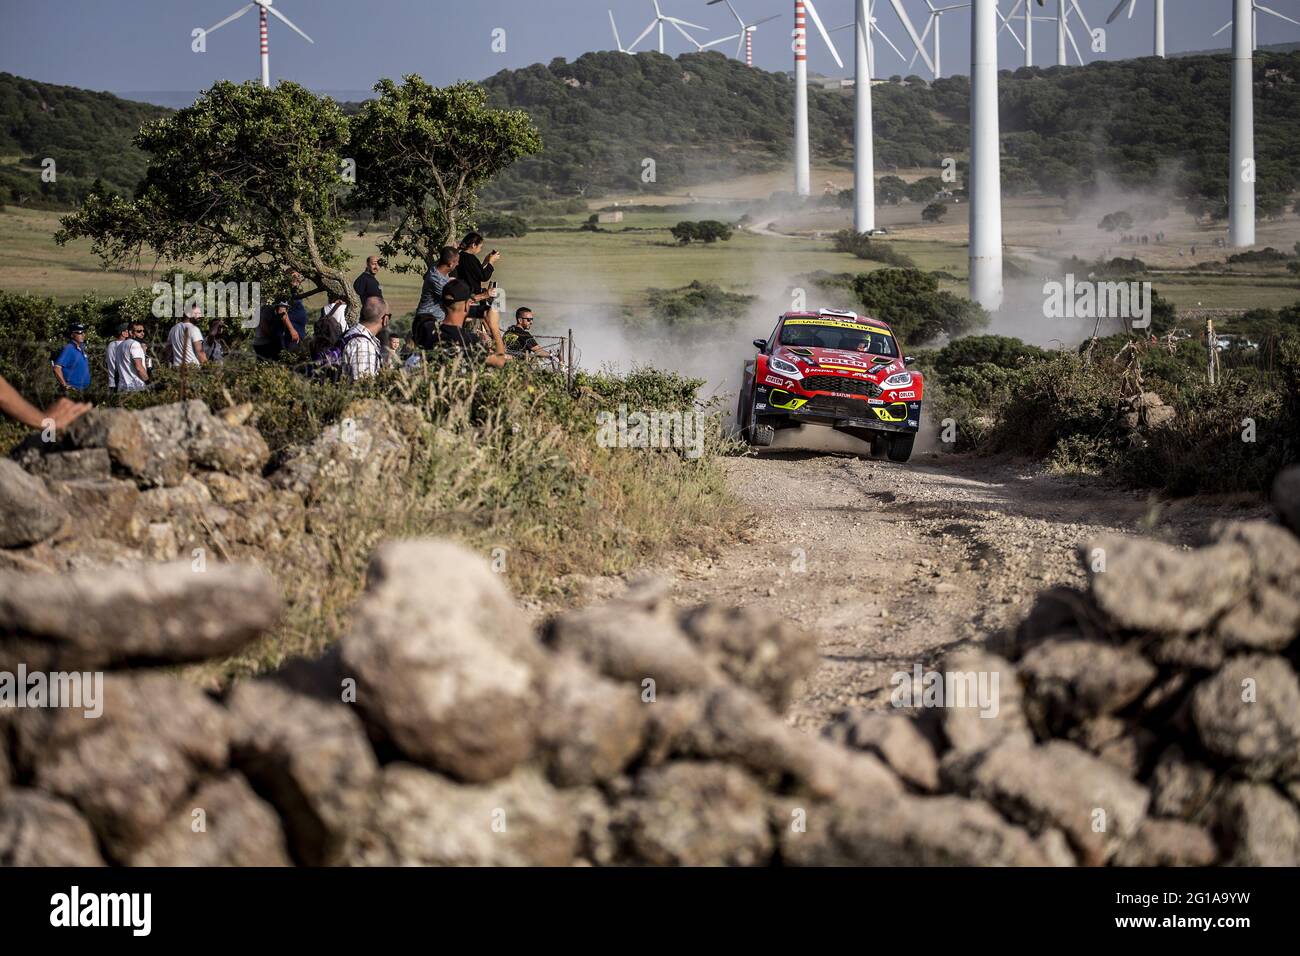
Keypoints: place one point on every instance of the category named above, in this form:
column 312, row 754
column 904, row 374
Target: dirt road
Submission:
column 891, row 565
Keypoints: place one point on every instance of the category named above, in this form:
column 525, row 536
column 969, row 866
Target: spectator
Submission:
column 62, row 413
column 331, row 324
column 478, row 274
column 110, row 360
column 71, row 367
column 429, row 314
column 131, row 363
column 185, row 341
column 362, row 354
column 452, row 334
column 366, row 285
column 137, row 335
column 217, row 344
column 393, row 351
column 519, row 337
column 295, row 332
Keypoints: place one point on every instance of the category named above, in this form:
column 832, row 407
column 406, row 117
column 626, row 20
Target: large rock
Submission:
column 87, row 464
column 1151, row 586
column 223, row 824
column 631, row 643
column 971, row 729
column 310, row 758
column 102, row 508
column 39, row 830
column 1268, row 619
column 1261, row 826
column 1248, row 714
column 695, row 814
column 444, row 664
column 1069, row 681
column 120, row 434
column 1168, row 843
column 590, row 728
column 127, row 770
column 869, row 830
column 893, row 738
column 754, row 648
column 28, row 512
column 1097, row 806
column 360, row 455
column 423, row 819
column 157, row 613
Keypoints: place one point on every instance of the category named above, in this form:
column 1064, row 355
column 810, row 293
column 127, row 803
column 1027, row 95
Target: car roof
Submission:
column 840, row 317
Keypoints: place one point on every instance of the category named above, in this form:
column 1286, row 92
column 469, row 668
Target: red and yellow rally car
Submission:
column 838, row 369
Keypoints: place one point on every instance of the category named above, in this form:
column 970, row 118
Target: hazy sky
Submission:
column 145, row 44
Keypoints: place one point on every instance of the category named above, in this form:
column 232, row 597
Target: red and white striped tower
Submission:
column 802, row 162
column 749, row 48
column 266, row 52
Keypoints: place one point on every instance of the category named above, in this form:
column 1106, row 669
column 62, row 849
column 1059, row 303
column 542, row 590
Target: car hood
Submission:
column 839, row 361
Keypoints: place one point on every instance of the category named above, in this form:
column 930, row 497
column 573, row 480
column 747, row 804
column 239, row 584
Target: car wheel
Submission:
column 761, row 435
column 900, row 447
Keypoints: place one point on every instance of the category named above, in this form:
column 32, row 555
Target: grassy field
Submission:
column 563, row 271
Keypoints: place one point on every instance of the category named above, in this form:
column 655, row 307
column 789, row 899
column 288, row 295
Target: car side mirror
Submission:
column 760, row 344
column 908, row 360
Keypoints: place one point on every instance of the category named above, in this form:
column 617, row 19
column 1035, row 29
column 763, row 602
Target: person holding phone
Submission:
column 476, row 273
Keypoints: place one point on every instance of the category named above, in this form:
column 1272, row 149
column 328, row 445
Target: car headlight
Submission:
column 898, row 380
column 787, row 369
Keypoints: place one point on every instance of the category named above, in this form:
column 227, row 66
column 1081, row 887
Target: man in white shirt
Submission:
column 130, row 366
column 362, row 351
column 110, row 353
column 185, row 341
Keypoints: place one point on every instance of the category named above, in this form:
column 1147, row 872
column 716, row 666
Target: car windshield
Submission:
column 832, row 334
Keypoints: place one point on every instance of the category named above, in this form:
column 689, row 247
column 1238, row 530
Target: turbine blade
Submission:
column 644, row 34
column 685, row 23
column 911, row 32
column 765, row 19
column 721, row 40
column 1006, row 25
column 1269, row 10
column 817, row 21
column 1070, row 36
column 1221, row 29
column 617, row 42
column 234, row 16
column 690, row 39
column 881, row 34
column 1131, row 7
column 289, row 23
column 929, row 25
column 1116, row 12
column 1078, row 9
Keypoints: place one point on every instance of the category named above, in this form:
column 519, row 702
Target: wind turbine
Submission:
column 746, row 34
column 1029, row 19
column 1063, row 31
column 659, row 21
column 932, row 23
column 985, row 182
column 1254, row 23
column 1159, row 44
column 802, row 161
column 263, row 8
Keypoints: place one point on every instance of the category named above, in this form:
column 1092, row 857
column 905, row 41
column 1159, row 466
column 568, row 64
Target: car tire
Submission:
column 761, row 436
column 900, row 447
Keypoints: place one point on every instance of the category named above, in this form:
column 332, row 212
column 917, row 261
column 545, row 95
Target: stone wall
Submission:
column 1151, row 718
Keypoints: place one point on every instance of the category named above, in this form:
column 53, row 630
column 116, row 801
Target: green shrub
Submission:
column 910, row 301
column 861, row 244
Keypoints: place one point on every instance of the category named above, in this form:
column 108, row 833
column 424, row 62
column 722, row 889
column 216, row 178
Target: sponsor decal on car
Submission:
column 773, row 380
column 907, row 394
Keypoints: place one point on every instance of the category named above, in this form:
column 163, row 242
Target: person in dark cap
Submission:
column 71, row 367
column 456, row 298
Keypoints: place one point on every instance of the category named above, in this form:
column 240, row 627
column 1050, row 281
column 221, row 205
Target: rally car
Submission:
column 838, row 369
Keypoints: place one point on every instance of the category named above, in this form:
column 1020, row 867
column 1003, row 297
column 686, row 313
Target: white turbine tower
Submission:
column 985, row 182
column 802, row 161
column 1029, row 20
column 1064, row 9
column 659, row 21
column 746, row 34
column 263, row 8
column 1158, row 45
column 864, row 69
